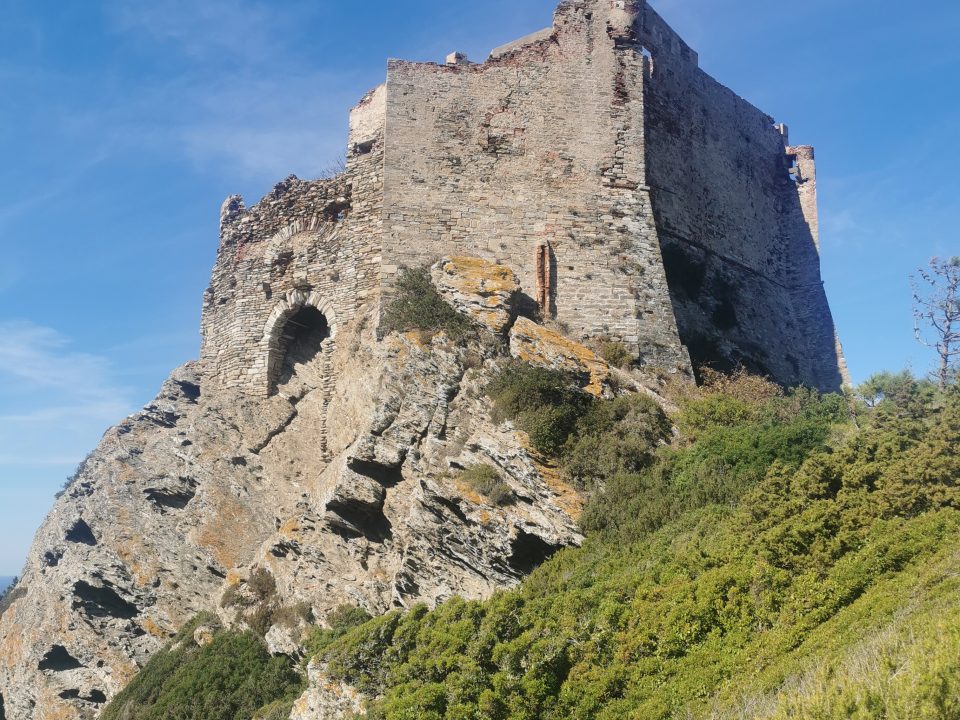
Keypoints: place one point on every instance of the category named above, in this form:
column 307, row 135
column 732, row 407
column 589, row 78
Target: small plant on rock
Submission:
column 615, row 353
column 418, row 306
column 545, row 404
column 486, row 480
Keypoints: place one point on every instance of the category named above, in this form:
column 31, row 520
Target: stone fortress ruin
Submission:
column 633, row 195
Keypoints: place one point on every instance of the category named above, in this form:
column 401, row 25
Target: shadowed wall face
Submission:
column 736, row 227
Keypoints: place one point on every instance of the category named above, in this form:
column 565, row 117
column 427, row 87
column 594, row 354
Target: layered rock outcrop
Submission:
column 181, row 500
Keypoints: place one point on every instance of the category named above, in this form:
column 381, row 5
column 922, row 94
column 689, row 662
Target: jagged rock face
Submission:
column 538, row 345
column 344, row 486
column 326, row 698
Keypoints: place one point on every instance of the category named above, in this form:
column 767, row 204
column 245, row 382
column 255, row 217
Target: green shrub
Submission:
column 486, row 480
column 736, row 445
column 615, row 353
column 614, row 437
column 277, row 710
column 771, row 549
column 230, row 678
column 545, row 404
column 341, row 620
column 417, row 305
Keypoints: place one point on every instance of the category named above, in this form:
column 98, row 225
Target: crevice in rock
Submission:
column 528, row 552
column 81, row 533
column 163, row 418
column 3, row 712
column 191, row 391
column 217, row 572
column 169, row 498
column 360, row 520
column 97, row 697
column 51, row 558
column 450, row 505
column 257, row 449
column 102, row 602
column 386, row 475
column 58, row 659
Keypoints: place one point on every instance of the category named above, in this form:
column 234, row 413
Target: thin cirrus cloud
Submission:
column 56, row 400
column 243, row 102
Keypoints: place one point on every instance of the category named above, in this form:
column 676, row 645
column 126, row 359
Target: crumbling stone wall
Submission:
column 314, row 243
column 633, row 195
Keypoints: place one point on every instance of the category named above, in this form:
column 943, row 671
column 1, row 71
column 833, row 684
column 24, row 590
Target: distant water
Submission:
column 5, row 582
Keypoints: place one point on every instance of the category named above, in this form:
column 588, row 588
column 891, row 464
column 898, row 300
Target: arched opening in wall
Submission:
column 299, row 348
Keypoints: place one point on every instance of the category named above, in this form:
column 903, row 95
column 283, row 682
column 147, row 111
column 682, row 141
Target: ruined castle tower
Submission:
column 634, row 196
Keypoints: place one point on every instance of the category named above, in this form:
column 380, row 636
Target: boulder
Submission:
column 482, row 290
column 541, row 346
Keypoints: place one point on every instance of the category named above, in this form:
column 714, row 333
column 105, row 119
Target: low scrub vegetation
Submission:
column 232, row 677
column 745, row 560
column 776, row 559
column 615, row 353
column 417, row 305
column 486, row 480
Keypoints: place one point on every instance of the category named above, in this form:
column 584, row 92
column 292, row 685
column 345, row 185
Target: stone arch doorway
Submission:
column 299, row 339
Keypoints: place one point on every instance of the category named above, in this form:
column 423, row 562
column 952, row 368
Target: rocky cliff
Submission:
column 344, row 485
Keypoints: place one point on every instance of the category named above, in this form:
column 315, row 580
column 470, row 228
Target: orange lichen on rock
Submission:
column 538, row 345
column 482, row 290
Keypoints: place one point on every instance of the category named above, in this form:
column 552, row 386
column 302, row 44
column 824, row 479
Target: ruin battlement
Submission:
column 634, row 196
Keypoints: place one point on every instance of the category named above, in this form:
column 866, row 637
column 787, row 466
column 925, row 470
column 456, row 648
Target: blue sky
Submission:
column 124, row 124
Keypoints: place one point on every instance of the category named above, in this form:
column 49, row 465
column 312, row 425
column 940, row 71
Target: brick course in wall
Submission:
column 633, row 195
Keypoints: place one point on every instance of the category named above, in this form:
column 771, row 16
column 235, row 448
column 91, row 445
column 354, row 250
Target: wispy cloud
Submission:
column 244, row 102
column 226, row 30
column 54, row 400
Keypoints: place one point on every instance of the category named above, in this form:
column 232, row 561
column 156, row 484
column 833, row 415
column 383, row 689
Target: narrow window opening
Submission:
column 647, row 60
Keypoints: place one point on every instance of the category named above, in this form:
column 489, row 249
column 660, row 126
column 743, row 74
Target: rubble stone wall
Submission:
column 633, row 195
column 313, row 242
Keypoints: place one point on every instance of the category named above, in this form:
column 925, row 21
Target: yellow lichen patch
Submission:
column 568, row 498
column 480, row 289
column 480, row 276
column 290, row 528
column 468, row 493
column 12, row 645
column 154, row 629
column 220, row 534
column 419, row 338
column 538, row 345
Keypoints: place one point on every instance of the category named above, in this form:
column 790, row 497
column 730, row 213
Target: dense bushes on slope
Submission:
column 833, row 532
column 417, row 305
column 228, row 679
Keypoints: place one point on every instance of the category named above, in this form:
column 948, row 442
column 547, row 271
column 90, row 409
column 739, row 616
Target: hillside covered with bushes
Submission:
column 759, row 554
